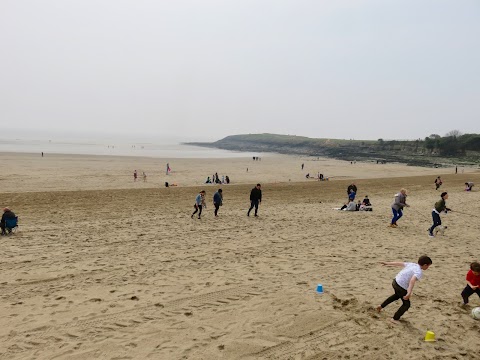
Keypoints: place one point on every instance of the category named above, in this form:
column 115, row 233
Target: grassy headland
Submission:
column 433, row 151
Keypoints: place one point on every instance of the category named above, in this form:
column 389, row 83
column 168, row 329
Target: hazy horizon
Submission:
column 200, row 71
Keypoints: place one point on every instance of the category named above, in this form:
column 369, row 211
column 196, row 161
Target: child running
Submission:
column 199, row 204
column 403, row 284
column 439, row 207
column 473, row 282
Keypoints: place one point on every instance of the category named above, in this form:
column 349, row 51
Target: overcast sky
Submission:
column 205, row 69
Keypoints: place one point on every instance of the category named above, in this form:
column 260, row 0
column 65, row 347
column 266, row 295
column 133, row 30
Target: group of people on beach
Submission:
column 200, row 202
column 216, row 179
column 350, row 205
column 405, row 280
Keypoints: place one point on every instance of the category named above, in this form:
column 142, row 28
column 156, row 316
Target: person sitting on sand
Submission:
column 366, row 201
column 468, row 186
column 358, row 205
column 350, row 206
column 208, row 180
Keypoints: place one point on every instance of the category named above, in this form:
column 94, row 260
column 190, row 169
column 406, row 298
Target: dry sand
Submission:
column 104, row 268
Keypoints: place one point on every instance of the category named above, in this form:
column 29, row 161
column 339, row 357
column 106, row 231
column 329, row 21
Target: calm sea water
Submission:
column 160, row 150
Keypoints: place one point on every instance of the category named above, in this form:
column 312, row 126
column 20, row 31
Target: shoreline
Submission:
column 26, row 172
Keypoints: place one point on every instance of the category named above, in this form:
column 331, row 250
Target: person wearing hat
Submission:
column 217, row 201
column 7, row 214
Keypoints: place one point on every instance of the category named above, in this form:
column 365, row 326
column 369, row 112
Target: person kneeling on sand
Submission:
column 468, row 186
column 403, row 284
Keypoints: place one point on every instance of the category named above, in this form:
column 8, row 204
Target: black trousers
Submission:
column 436, row 221
column 399, row 294
column 254, row 204
column 467, row 292
column 198, row 208
column 217, row 206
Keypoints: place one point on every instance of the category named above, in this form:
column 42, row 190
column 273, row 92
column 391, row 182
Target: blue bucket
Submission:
column 320, row 289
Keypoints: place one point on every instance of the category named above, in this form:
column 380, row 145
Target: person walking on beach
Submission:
column 135, row 175
column 199, row 204
column 303, row 166
column 438, row 182
column 217, row 201
column 168, row 168
column 255, row 199
column 473, row 282
column 403, row 284
column 439, row 207
column 144, row 176
column 397, row 207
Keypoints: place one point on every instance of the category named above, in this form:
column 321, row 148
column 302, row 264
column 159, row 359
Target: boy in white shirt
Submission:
column 403, row 284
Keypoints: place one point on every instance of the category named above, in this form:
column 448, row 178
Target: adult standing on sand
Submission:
column 255, row 199
column 350, row 188
column 217, row 201
column 7, row 214
column 135, row 175
column 397, row 207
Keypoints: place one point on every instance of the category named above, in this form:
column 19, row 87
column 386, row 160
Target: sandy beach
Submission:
column 103, row 267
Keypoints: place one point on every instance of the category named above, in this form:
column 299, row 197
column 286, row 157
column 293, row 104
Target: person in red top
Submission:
column 473, row 282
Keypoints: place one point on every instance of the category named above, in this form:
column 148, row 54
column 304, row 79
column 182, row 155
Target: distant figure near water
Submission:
column 135, row 175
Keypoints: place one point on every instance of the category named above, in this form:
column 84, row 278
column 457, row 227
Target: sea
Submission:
column 166, row 148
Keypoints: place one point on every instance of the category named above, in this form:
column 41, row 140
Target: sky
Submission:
column 205, row 69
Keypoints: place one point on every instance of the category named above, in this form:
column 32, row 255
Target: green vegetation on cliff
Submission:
column 434, row 149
